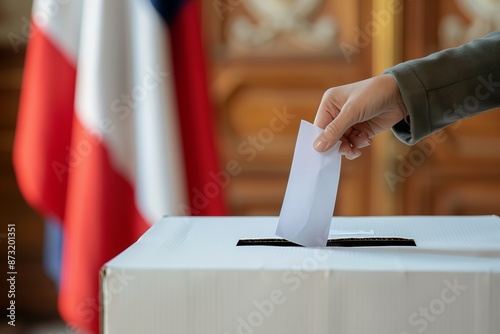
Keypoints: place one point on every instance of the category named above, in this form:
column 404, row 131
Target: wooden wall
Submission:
column 253, row 75
column 266, row 60
column 460, row 172
column 35, row 292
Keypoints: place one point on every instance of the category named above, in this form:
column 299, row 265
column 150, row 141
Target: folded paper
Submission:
column 307, row 209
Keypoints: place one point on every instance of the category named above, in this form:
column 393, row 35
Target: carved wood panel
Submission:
column 270, row 63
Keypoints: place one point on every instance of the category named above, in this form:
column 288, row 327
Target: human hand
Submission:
column 356, row 112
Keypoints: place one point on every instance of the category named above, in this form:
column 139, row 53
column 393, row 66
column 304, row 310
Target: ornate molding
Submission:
column 484, row 16
column 282, row 25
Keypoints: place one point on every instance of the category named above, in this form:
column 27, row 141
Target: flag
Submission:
column 114, row 130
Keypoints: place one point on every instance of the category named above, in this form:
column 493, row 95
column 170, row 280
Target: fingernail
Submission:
column 353, row 155
column 319, row 145
column 362, row 134
column 365, row 143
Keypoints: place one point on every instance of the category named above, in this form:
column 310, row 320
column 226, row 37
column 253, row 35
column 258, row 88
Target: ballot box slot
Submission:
column 335, row 242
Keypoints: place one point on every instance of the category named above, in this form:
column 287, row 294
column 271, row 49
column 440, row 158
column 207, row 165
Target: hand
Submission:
column 356, row 112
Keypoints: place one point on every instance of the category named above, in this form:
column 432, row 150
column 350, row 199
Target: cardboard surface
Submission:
column 186, row 275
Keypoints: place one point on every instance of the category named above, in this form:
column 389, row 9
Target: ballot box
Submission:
column 227, row 275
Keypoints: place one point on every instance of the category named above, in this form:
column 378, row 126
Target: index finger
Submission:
column 326, row 111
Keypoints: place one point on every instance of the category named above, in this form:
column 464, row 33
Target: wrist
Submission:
column 398, row 97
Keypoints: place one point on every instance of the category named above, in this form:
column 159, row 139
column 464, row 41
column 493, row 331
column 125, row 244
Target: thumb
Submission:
column 332, row 133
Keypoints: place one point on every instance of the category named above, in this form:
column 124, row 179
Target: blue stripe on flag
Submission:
column 52, row 252
column 168, row 8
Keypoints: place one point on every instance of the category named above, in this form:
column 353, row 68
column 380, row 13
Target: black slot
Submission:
column 337, row 242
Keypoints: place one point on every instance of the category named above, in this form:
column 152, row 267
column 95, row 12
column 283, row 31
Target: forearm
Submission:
column 448, row 85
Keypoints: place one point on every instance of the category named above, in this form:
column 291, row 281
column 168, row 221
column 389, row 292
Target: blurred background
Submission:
column 268, row 64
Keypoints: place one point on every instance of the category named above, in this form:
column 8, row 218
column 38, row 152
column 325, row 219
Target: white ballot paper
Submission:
column 309, row 201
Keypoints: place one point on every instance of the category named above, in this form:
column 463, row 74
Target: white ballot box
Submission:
column 187, row 275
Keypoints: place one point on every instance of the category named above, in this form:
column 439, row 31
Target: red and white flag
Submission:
column 114, row 130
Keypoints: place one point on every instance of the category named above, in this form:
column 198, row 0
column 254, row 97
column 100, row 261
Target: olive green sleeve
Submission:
column 447, row 86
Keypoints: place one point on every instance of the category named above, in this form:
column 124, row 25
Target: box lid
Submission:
column 210, row 242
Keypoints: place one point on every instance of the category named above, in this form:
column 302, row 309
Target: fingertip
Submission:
column 320, row 144
column 359, row 140
column 345, row 146
column 355, row 154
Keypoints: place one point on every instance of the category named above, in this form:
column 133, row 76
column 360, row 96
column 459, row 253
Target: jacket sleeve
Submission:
column 447, row 86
